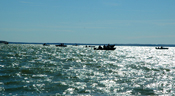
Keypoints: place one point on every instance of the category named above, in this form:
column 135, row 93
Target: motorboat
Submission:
column 61, row 45
column 161, row 47
column 46, row 44
column 5, row 42
column 108, row 47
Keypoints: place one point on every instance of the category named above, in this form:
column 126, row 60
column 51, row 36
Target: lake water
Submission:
column 76, row 70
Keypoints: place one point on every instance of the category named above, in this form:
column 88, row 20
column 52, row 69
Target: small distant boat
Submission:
column 4, row 42
column 61, row 45
column 108, row 47
column 161, row 47
column 46, row 44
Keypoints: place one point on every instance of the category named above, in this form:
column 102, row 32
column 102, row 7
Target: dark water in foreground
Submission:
column 77, row 70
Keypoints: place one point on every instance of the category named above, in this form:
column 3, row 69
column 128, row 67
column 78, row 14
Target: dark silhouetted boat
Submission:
column 5, row 42
column 61, row 45
column 108, row 47
column 46, row 44
column 161, row 48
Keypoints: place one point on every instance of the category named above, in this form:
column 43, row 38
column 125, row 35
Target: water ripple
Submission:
column 77, row 70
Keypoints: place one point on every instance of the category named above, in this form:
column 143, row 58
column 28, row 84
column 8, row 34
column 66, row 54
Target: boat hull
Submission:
column 161, row 48
column 61, row 45
column 105, row 49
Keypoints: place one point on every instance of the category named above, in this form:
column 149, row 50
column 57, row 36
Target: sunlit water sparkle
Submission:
column 77, row 70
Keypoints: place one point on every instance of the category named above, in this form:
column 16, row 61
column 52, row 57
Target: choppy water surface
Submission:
column 77, row 70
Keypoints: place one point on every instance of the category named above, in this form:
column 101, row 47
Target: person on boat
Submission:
column 104, row 46
column 108, row 45
column 99, row 47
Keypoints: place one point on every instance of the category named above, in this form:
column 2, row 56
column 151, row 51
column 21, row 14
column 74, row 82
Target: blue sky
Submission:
column 88, row 21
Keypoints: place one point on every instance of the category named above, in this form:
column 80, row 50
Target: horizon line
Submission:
column 116, row 44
